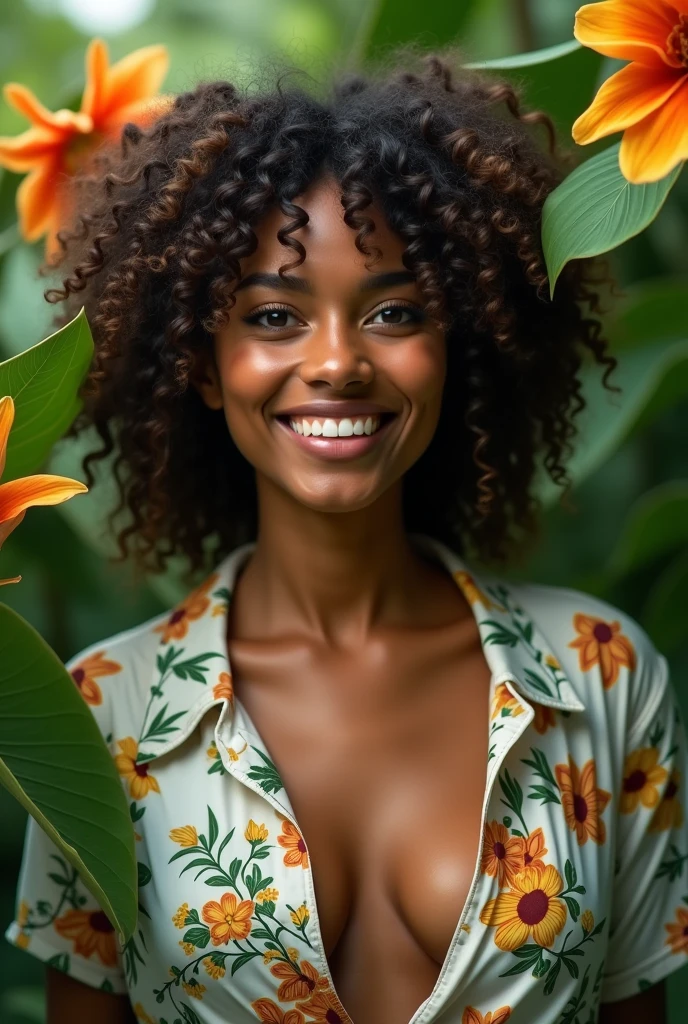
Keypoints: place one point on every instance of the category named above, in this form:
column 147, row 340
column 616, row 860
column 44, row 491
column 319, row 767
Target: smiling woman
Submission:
column 409, row 791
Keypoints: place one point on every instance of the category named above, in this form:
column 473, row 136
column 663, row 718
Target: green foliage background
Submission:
column 628, row 537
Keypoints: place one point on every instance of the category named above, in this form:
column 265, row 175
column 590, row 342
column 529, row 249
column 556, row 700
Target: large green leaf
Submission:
column 561, row 80
column 595, row 209
column 54, row 761
column 43, row 382
column 664, row 612
column 656, row 524
column 392, row 22
column 650, row 312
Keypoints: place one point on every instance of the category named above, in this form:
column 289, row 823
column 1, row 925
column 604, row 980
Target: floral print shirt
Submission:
column 580, row 889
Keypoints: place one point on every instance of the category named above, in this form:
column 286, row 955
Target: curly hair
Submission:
column 455, row 166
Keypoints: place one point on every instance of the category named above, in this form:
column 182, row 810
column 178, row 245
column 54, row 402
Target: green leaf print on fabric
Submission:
column 266, row 775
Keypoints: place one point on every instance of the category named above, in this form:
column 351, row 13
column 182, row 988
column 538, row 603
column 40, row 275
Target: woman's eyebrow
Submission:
column 301, row 284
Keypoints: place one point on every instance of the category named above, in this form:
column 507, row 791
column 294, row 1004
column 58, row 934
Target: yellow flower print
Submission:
column 141, row 782
column 185, row 836
column 228, row 919
column 179, row 919
column 267, row 894
column 142, row 1016
column 678, row 932
column 296, row 855
column 255, row 833
column 531, row 907
column 269, row 955
column 552, row 662
column 503, row 699
column 300, row 916
column 669, row 813
column 193, row 988
column 23, row 913
column 602, row 643
column 473, row 593
column 534, row 850
column 502, row 854
column 191, row 608
column 587, row 921
column 641, row 777
column 22, row 940
column 581, row 801
column 215, row 971
column 292, row 953
column 188, row 948
column 87, row 671
column 473, row 1016
column 224, row 688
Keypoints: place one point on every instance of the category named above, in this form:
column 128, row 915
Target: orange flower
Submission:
column 296, row 855
column 224, row 687
column 642, row 775
column 472, row 592
column 502, row 854
column 678, row 932
column 137, row 775
column 647, row 99
column 324, row 1007
column 473, row 1016
column 669, row 814
column 18, row 495
column 268, row 1012
column 58, row 144
column 530, row 907
column 534, row 850
column 544, row 718
column 185, row 835
column 192, row 607
column 601, row 643
column 298, row 982
column 91, row 932
column 503, row 699
column 582, row 801
column 228, row 919
column 87, row 671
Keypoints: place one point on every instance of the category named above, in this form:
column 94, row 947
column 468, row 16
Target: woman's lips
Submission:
column 338, row 447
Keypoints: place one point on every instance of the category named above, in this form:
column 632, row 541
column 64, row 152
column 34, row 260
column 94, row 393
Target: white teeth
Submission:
column 335, row 428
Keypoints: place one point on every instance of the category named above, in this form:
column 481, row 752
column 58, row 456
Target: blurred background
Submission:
column 626, row 540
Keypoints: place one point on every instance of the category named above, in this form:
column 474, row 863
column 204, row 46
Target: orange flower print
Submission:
column 191, row 608
column 59, row 144
column 141, row 782
column 601, row 643
column 325, row 1008
column 268, row 1012
column 473, row 593
column 534, row 850
column 224, row 687
column 641, row 777
column 503, row 699
column 502, row 854
column 87, row 671
column 141, row 1015
column 582, row 801
column 228, row 919
column 669, row 813
column 91, row 933
column 544, row 718
column 296, row 855
column 531, row 907
column 678, row 932
column 473, row 1016
column 297, row 982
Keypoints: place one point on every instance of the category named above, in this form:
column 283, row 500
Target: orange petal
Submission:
column 136, row 77
column 36, row 198
column 7, row 527
column 41, row 489
column 96, row 78
column 654, row 146
column 629, row 29
column 61, row 122
column 141, row 112
column 12, row 579
column 6, row 421
column 23, row 152
column 624, row 99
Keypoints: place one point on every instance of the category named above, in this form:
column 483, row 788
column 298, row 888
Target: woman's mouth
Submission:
column 346, row 437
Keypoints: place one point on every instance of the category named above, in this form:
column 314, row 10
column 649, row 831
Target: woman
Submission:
column 370, row 781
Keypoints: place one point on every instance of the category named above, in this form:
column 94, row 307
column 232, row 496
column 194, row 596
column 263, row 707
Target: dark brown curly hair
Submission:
column 155, row 253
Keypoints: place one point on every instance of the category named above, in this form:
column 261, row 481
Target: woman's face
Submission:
column 331, row 382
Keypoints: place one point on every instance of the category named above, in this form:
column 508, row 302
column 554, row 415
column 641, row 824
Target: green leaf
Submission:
column 595, row 209
column 649, row 311
column 432, row 24
column 574, row 907
column 664, row 612
column 43, row 381
column 198, row 936
column 655, row 525
column 54, row 761
column 551, row 979
column 570, row 874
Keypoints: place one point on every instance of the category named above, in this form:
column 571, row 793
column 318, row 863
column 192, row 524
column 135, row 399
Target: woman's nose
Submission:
column 336, row 353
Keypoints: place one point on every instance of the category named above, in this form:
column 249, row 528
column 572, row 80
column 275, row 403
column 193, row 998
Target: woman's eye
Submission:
column 275, row 319
column 397, row 316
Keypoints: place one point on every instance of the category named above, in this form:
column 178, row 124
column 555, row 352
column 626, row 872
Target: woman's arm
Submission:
column 70, row 1000
column 648, row 1007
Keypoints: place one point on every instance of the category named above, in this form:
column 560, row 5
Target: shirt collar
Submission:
column 192, row 671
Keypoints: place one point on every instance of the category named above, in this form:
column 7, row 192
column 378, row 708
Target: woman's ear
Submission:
column 206, row 379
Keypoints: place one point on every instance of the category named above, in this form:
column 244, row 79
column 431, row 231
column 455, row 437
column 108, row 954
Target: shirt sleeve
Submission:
column 56, row 917
column 648, row 936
